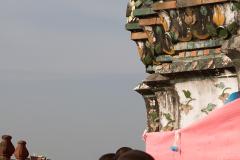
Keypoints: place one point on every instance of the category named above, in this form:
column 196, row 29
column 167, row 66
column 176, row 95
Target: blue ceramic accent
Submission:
column 174, row 148
column 232, row 97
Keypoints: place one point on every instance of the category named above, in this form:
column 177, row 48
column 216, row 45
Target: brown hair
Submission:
column 135, row 155
column 108, row 156
column 121, row 151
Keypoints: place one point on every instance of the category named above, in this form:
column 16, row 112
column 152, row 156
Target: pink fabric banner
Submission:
column 216, row 137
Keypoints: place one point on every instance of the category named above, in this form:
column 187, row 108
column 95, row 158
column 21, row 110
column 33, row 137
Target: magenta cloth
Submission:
column 215, row 137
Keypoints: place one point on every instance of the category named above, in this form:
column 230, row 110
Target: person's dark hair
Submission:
column 108, row 156
column 121, row 151
column 135, row 155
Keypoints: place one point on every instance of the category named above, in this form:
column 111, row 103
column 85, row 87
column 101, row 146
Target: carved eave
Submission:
column 183, row 35
column 184, row 3
column 144, row 89
column 193, row 64
column 157, row 80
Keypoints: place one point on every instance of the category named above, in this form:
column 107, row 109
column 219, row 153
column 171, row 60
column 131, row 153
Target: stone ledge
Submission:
column 184, row 3
column 192, row 64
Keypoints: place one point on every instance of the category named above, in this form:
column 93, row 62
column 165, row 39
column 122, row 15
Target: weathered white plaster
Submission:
column 204, row 91
column 229, row 13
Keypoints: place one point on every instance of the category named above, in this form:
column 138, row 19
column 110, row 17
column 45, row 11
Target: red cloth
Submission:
column 216, row 137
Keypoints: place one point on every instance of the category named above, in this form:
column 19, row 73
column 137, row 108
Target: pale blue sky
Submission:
column 67, row 69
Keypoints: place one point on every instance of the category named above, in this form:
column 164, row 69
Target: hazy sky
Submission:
column 67, row 69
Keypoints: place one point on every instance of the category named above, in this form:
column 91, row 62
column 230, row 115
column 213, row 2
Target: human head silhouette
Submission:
column 135, row 155
column 108, row 156
column 121, row 151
